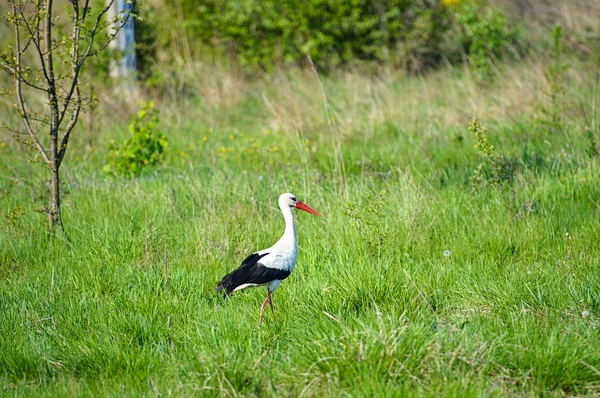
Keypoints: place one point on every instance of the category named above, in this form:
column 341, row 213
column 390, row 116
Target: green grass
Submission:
column 374, row 306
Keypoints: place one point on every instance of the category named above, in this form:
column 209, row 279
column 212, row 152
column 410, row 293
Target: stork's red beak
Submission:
column 306, row 208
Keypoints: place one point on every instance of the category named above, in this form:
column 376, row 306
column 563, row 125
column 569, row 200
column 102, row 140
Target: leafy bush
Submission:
column 144, row 149
column 489, row 36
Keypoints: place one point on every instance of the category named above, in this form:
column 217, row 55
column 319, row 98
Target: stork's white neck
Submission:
column 288, row 240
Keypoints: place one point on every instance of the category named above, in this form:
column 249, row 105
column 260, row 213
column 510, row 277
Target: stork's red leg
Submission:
column 271, row 302
column 264, row 305
column 273, row 307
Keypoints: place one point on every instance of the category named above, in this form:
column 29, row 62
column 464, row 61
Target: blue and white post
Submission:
column 125, row 40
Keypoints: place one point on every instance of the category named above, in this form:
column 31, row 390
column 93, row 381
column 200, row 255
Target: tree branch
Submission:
column 75, row 37
column 20, row 100
column 34, row 35
column 74, row 116
column 78, row 62
column 13, row 131
column 7, row 67
column 37, row 120
column 94, row 30
column 52, row 99
column 13, row 72
column 86, row 8
column 28, row 83
column 26, row 46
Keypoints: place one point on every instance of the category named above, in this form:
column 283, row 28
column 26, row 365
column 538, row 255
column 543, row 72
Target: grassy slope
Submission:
column 374, row 306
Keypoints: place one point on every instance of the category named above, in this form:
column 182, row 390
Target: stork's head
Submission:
column 290, row 200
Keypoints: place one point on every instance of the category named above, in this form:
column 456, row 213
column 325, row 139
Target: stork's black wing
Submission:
column 251, row 271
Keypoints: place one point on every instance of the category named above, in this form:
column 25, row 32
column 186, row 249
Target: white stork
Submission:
column 270, row 266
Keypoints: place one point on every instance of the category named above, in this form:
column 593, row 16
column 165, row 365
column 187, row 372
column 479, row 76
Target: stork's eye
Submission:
column 294, row 199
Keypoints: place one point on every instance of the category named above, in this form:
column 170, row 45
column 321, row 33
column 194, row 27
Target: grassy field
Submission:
column 411, row 283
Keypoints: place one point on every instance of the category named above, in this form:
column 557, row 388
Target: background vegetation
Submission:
column 455, row 256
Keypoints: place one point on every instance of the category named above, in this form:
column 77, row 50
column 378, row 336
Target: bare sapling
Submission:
column 45, row 62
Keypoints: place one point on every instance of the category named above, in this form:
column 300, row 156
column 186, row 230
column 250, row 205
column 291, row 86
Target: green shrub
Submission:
column 143, row 150
column 489, row 36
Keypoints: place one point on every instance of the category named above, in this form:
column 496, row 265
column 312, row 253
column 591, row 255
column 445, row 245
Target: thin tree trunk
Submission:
column 54, row 217
column 54, row 220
